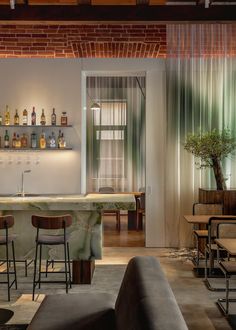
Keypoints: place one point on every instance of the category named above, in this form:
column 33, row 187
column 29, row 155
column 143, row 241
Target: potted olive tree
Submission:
column 211, row 148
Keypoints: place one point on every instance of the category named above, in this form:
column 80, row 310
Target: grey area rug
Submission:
column 107, row 278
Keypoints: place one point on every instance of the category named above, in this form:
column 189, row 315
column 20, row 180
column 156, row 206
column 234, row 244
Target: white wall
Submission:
column 47, row 83
column 43, row 83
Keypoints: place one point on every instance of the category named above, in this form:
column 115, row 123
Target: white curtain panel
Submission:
column 201, row 95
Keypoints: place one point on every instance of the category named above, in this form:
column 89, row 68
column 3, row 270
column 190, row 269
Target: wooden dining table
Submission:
column 204, row 219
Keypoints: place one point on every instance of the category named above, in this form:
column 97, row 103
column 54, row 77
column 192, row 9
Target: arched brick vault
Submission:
column 92, row 40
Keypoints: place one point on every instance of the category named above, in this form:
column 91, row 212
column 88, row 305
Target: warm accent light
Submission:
column 95, row 106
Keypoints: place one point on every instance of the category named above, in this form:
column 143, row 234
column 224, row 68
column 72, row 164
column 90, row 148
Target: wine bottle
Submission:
column 33, row 117
column 24, row 141
column 16, row 118
column 7, row 116
column 43, row 118
column 14, row 140
column 25, row 117
column 6, row 140
column 53, row 118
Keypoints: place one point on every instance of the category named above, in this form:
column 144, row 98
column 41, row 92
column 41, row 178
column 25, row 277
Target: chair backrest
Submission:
column 226, row 229
column 106, row 190
column 145, row 300
column 214, row 228
column 207, row 209
column 51, row 222
column 6, row 221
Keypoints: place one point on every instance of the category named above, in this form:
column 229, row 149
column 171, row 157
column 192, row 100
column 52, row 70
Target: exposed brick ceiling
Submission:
column 71, row 41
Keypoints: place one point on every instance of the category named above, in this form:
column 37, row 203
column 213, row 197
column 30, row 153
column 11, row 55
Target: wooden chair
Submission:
column 202, row 234
column 51, row 223
column 6, row 222
column 110, row 190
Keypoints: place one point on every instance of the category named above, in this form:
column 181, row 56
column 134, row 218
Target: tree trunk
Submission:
column 220, row 180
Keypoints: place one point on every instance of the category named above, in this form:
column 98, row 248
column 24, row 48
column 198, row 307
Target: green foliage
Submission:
column 210, row 146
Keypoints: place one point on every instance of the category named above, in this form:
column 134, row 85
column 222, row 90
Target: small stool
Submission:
column 6, row 222
column 51, row 223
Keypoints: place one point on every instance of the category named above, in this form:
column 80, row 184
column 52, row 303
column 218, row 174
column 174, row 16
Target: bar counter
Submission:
column 86, row 230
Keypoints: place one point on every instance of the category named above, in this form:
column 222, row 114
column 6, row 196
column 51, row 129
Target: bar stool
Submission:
column 6, row 222
column 51, row 223
column 110, row 190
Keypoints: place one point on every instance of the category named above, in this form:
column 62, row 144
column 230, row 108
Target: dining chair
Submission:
column 110, row 190
column 218, row 227
column 201, row 234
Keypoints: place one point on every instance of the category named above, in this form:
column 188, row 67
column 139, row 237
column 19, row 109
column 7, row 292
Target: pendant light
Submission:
column 95, row 106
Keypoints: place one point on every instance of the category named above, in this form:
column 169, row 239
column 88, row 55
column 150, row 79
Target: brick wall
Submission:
column 71, row 41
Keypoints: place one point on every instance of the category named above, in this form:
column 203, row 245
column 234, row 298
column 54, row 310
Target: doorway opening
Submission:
column 115, row 150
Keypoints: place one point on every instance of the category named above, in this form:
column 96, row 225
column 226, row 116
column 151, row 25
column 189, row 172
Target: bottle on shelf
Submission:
column 24, row 141
column 52, row 141
column 25, row 117
column 33, row 140
column 0, row 119
column 64, row 119
column 53, row 117
column 18, row 141
column 7, row 116
column 6, row 140
column 42, row 141
column 59, row 139
column 62, row 142
column 16, row 118
column 33, row 117
column 43, row 118
column 14, row 141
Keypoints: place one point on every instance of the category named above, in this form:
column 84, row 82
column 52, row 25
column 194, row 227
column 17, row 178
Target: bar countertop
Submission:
column 68, row 202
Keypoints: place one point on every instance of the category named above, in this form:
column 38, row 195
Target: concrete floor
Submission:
column 197, row 304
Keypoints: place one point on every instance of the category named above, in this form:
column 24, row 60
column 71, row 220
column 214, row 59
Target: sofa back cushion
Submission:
column 145, row 300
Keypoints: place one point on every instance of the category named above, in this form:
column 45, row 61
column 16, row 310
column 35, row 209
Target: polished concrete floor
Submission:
column 197, row 304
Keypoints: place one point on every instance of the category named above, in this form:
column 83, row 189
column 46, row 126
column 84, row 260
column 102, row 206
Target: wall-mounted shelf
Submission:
column 35, row 126
column 33, row 149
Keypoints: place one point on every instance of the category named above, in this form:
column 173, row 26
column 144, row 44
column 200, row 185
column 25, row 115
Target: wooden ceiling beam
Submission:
column 87, row 13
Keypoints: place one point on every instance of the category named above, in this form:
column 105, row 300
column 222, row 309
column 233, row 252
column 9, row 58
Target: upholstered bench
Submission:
column 145, row 302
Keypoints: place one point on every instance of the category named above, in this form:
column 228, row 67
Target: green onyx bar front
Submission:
column 86, row 229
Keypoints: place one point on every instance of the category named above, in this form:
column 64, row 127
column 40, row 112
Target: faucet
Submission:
column 22, row 191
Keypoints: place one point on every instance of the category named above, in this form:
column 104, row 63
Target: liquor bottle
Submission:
column 64, row 119
column 62, row 142
column 33, row 140
column 52, row 141
column 0, row 120
column 53, row 118
column 6, row 140
column 25, row 117
column 16, row 118
column 14, row 140
column 7, row 116
column 24, row 141
column 33, row 117
column 42, row 141
column 59, row 139
column 43, row 118
column 18, row 141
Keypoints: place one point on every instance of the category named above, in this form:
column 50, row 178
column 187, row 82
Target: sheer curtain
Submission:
column 116, row 133
column 201, row 95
